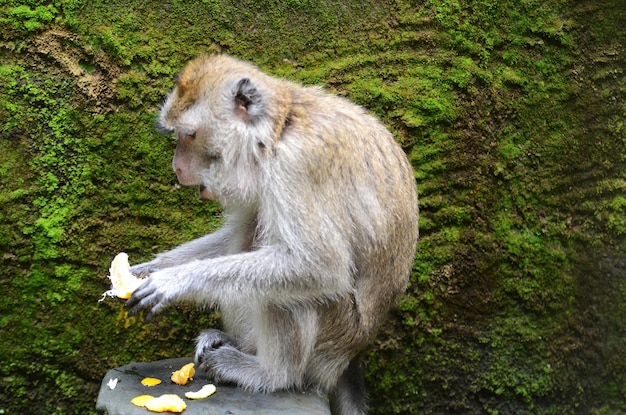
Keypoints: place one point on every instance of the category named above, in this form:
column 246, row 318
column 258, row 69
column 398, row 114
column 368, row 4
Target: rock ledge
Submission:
column 228, row 400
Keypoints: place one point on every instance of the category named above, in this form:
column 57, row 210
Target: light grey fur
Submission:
column 319, row 235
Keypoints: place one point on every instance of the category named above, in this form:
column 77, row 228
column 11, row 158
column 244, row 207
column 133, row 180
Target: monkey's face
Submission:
column 218, row 113
column 198, row 157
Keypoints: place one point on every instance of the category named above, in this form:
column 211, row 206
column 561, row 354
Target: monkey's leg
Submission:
column 285, row 339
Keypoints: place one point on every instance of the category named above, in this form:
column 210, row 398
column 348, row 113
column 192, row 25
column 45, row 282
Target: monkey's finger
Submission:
column 135, row 307
column 132, row 302
column 155, row 310
column 140, row 299
column 147, row 298
column 146, row 303
column 142, row 270
column 146, row 289
column 141, row 273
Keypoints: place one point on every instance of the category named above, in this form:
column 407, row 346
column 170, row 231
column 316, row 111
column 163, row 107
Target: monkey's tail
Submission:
column 350, row 396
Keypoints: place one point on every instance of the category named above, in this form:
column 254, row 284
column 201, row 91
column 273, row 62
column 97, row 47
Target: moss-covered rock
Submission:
column 512, row 113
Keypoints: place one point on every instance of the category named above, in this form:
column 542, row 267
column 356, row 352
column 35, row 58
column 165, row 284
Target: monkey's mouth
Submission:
column 205, row 194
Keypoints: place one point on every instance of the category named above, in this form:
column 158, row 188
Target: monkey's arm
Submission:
column 208, row 246
column 274, row 273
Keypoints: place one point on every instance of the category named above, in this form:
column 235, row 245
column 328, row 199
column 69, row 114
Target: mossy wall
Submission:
column 512, row 113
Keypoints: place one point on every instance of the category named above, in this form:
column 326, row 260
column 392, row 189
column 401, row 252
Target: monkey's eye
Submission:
column 163, row 129
column 186, row 136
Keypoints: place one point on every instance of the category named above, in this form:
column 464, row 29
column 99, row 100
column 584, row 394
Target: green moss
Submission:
column 511, row 113
column 23, row 17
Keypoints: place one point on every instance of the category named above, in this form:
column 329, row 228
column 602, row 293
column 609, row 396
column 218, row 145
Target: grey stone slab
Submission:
column 228, row 400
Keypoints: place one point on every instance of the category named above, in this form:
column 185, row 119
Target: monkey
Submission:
column 320, row 229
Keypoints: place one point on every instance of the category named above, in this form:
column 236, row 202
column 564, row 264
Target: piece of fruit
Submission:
column 182, row 375
column 150, row 381
column 141, row 400
column 166, row 403
column 123, row 282
column 204, row 392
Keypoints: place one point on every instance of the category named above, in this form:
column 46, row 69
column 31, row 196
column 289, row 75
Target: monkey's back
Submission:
column 364, row 190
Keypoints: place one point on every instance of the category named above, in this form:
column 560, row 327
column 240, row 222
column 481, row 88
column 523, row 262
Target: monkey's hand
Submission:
column 155, row 294
column 144, row 270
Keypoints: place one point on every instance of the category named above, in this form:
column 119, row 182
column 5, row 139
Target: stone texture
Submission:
column 228, row 400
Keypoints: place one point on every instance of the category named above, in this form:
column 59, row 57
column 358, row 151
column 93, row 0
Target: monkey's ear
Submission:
column 248, row 101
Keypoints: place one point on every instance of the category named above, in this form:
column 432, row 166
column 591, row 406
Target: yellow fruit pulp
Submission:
column 150, row 381
column 185, row 373
column 141, row 400
column 164, row 403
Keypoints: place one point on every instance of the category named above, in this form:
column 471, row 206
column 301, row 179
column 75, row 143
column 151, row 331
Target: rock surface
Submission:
column 228, row 400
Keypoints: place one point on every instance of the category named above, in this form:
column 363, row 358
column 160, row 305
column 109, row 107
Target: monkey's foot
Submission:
column 209, row 341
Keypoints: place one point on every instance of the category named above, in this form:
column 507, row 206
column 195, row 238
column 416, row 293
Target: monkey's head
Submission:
column 223, row 114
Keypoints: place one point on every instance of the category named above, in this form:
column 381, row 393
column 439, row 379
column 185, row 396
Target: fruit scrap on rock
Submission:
column 204, row 392
column 150, row 381
column 112, row 383
column 185, row 373
column 164, row 403
column 141, row 400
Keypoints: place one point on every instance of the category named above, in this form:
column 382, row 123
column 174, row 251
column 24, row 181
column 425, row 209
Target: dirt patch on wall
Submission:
column 94, row 72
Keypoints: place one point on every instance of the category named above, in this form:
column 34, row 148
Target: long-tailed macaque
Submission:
column 321, row 225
